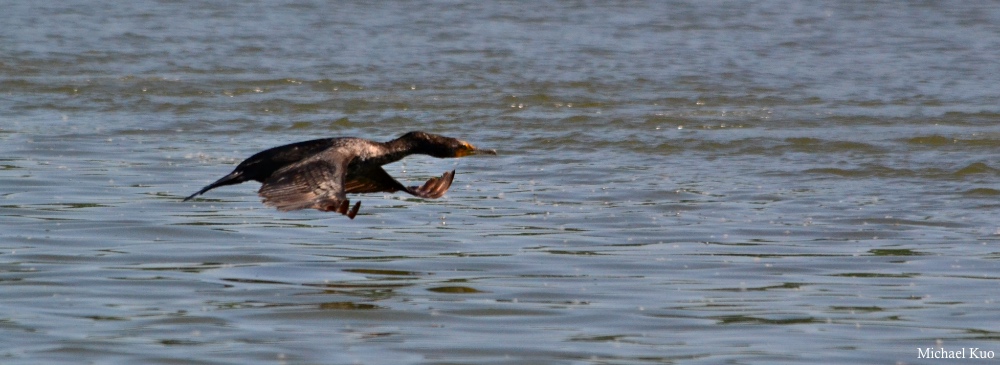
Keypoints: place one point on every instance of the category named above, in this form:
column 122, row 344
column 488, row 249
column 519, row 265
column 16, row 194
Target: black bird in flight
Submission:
column 320, row 173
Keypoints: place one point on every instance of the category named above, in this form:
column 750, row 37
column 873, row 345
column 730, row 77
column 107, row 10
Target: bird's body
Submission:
column 320, row 173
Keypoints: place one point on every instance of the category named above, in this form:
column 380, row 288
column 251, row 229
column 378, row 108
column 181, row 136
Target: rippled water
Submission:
column 678, row 182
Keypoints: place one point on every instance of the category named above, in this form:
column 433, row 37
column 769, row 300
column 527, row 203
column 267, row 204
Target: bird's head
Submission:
column 443, row 147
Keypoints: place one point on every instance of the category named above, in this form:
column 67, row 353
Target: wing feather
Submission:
column 373, row 180
column 433, row 188
column 316, row 182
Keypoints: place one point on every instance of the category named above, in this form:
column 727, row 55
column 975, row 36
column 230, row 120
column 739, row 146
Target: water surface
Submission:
column 679, row 182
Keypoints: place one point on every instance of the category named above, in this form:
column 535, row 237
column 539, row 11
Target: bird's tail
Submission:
column 231, row 179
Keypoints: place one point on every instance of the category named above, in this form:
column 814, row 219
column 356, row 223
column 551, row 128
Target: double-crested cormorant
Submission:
column 320, row 173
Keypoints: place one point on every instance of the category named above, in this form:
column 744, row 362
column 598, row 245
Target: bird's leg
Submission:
column 354, row 211
column 342, row 208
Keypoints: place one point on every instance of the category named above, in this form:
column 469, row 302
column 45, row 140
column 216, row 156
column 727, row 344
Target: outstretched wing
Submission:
column 373, row 180
column 376, row 180
column 316, row 182
column 433, row 188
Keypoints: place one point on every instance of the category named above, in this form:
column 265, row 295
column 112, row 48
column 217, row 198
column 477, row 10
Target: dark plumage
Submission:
column 320, row 173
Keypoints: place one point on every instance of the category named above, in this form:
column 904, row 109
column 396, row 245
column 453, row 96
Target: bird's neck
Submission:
column 396, row 150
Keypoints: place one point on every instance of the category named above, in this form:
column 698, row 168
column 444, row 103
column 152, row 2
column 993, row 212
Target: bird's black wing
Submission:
column 373, row 180
column 434, row 188
column 376, row 180
column 316, row 182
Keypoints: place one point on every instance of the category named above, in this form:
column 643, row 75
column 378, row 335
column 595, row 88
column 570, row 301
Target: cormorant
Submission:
column 320, row 173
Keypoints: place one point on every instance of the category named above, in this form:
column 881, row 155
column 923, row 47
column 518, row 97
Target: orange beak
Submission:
column 468, row 150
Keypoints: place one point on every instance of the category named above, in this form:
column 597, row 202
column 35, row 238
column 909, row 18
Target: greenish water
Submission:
column 678, row 183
